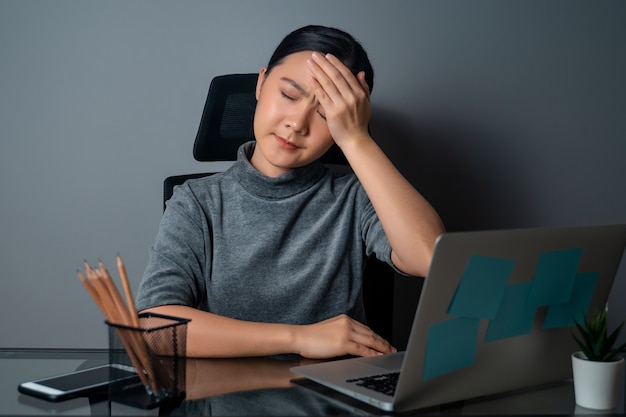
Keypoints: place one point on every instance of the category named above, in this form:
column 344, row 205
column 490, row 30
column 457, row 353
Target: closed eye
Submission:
column 288, row 97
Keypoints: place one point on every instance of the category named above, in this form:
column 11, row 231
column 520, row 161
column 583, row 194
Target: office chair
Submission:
column 226, row 124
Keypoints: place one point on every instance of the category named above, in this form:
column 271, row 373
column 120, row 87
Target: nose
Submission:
column 298, row 121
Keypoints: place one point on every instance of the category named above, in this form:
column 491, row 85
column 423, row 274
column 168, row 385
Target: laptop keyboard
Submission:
column 383, row 383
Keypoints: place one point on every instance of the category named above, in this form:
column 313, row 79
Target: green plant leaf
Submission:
column 593, row 338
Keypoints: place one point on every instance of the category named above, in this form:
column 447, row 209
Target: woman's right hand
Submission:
column 339, row 336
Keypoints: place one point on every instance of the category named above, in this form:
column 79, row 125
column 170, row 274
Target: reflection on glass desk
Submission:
column 248, row 386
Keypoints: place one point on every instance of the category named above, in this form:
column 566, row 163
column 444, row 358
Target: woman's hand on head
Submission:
column 344, row 98
column 339, row 336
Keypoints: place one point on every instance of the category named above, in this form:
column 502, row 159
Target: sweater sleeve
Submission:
column 178, row 258
column 376, row 242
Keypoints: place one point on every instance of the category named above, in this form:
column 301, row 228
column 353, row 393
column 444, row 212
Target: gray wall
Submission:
column 504, row 114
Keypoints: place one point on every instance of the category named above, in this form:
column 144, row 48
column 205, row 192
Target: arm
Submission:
column 212, row 335
column 409, row 221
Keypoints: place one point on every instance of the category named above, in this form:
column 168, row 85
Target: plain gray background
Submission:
column 503, row 113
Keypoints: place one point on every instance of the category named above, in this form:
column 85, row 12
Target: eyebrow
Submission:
column 296, row 86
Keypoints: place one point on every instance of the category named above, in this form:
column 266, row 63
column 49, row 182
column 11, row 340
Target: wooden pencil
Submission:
column 139, row 345
column 128, row 292
column 100, row 286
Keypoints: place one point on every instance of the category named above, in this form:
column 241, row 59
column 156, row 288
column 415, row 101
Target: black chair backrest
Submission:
column 227, row 118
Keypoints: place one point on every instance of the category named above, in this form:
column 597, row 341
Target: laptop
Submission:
column 495, row 314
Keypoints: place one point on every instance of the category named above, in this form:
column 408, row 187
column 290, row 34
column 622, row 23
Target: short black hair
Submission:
column 326, row 40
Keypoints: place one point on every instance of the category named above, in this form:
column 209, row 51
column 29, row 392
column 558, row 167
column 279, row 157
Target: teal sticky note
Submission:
column 563, row 315
column 515, row 316
column 451, row 345
column 554, row 277
column 481, row 288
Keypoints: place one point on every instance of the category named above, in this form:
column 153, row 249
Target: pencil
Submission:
column 129, row 294
column 96, row 291
column 102, row 289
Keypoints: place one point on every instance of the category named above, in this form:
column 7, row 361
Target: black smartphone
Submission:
column 81, row 383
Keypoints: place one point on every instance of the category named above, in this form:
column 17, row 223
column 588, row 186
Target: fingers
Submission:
column 363, row 341
column 361, row 78
column 335, row 79
column 338, row 336
column 368, row 343
column 344, row 97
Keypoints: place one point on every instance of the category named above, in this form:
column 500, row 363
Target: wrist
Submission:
column 356, row 139
column 292, row 338
column 356, row 145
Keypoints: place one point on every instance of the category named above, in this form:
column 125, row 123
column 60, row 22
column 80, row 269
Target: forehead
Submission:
column 295, row 63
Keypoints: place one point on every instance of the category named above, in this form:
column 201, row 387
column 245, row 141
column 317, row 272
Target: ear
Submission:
column 259, row 82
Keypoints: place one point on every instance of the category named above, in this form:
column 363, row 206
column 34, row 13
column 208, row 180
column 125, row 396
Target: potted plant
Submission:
column 598, row 368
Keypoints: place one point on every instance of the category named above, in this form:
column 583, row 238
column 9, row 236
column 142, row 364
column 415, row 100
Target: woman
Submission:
column 268, row 257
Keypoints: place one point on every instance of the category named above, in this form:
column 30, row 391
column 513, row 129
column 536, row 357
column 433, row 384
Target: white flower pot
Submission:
column 597, row 385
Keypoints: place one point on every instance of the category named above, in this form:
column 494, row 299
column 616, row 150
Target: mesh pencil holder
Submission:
column 156, row 350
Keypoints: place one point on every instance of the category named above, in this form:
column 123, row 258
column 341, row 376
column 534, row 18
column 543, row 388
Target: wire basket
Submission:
column 156, row 350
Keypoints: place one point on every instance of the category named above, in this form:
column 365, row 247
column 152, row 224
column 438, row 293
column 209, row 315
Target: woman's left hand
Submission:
column 344, row 98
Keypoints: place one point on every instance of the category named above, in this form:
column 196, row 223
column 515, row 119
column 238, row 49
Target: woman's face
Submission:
column 289, row 123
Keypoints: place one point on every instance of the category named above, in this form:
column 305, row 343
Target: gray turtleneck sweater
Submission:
column 290, row 249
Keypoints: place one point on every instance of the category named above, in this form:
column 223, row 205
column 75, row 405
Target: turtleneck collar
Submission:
column 283, row 186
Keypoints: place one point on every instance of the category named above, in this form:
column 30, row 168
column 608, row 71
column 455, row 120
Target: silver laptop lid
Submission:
column 496, row 310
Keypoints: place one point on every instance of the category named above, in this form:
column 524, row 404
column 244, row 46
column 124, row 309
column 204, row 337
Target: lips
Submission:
column 284, row 143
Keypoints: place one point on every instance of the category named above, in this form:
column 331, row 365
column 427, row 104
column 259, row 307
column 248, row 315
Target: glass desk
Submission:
column 250, row 386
